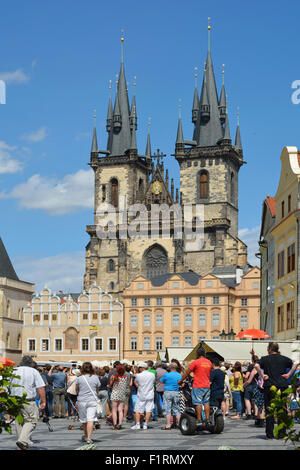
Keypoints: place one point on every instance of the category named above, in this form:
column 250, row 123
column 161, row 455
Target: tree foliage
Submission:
column 10, row 406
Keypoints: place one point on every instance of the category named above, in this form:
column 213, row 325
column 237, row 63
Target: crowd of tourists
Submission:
column 150, row 391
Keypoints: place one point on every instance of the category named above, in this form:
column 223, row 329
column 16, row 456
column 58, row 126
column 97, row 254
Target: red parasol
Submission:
column 6, row 361
column 253, row 334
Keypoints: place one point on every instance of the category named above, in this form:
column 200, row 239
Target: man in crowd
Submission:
column 159, row 387
column 48, row 390
column 201, row 368
column 31, row 383
column 217, row 384
column 144, row 382
column 272, row 369
column 58, row 381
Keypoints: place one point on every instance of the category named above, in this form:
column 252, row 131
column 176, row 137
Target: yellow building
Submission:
column 179, row 310
column 286, row 242
column 82, row 327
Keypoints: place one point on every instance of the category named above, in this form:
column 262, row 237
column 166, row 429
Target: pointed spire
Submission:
column 222, row 103
column 133, row 116
column 238, row 140
column 195, row 109
column 109, row 111
column 179, row 139
column 226, row 138
column 148, row 147
column 208, row 130
column 94, row 148
column 133, row 144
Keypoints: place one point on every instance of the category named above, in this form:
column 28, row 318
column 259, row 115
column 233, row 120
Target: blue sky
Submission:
column 57, row 59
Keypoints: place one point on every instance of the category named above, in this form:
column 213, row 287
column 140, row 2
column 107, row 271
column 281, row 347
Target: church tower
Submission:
column 209, row 168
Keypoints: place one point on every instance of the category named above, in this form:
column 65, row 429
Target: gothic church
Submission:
column 209, row 166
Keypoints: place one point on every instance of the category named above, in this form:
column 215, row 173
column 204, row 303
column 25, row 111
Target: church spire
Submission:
column 222, row 103
column 109, row 111
column 133, row 116
column 94, row 148
column 119, row 139
column 133, row 144
column 238, row 141
column 148, row 146
column 195, row 109
column 208, row 130
column 179, row 139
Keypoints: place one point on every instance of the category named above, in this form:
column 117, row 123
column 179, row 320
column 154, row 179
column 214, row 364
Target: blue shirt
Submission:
column 217, row 379
column 171, row 381
column 58, row 379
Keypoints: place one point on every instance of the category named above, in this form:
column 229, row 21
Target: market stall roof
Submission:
column 238, row 350
column 179, row 353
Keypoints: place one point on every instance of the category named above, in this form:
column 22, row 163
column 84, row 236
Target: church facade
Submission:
column 209, row 167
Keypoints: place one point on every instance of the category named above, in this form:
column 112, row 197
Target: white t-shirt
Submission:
column 30, row 379
column 145, row 381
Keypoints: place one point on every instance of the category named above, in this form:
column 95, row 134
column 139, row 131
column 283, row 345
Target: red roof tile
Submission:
column 271, row 204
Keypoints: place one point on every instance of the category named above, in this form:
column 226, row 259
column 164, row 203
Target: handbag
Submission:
column 99, row 406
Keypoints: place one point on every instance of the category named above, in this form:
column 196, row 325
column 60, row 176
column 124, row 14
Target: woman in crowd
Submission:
column 87, row 388
column 71, row 390
column 258, row 394
column 236, row 385
column 225, row 405
column 103, row 392
column 118, row 383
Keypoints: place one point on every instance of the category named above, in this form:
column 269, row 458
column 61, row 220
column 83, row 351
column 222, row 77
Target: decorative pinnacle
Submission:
column 209, row 28
column 149, row 123
column 180, row 107
column 223, row 72
column 238, row 115
column 95, row 116
column 122, row 46
column 134, row 84
column 196, row 76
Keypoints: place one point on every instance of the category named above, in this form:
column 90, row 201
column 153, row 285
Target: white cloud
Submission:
column 17, row 77
column 250, row 236
column 60, row 272
column 8, row 164
column 74, row 192
column 36, row 136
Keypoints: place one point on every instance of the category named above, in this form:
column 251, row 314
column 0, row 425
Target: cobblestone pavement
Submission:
column 242, row 435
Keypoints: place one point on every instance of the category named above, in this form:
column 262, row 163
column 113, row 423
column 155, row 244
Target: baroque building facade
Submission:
column 209, row 166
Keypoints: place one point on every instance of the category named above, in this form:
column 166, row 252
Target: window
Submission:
column 147, row 320
column 256, row 284
column 202, row 319
column 289, row 204
column 159, row 301
column 36, row 318
column 114, row 192
column 216, row 338
column 95, row 316
column 111, row 286
column 58, row 344
column 209, row 283
column 133, row 343
column 280, row 264
column 282, row 209
column 112, row 344
column 188, row 301
column 188, row 341
column 133, row 320
column 244, row 302
column 203, row 185
column 45, row 345
column 202, row 300
column 280, row 318
column 291, row 258
column 104, row 316
column 175, row 285
column 146, row 343
column 216, row 300
column 54, row 317
column 175, row 319
column 175, row 300
column 215, row 319
column 133, row 302
column 85, row 316
column 147, row 301
column 140, row 285
column 244, row 321
column 290, row 316
column 98, row 344
column 159, row 319
column 175, row 341
column 201, row 338
column 158, row 343
column 31, row 345
column 46, row 317
column 111, row 265
column 188, row 319
column 84, row 344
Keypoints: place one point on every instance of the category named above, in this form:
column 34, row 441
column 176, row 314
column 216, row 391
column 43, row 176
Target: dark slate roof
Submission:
column 6, row 267
column 190, row 277
column 224, row 270
column 229, row 282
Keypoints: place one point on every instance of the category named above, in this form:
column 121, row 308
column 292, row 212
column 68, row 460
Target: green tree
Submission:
column 279, row 408
column 9, row 405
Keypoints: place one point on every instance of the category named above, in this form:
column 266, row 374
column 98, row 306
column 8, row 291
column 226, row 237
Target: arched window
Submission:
column 7, row 341
column 232, row 187
column 8, row 309
column 19, row 343
column 111, row 265
column 203, row 185
column 141, row 187
column 155, row 261
column 114, row 192
column 111, row 286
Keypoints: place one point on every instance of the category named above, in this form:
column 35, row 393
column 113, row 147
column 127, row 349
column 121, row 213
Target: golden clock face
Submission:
column 156, row 187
